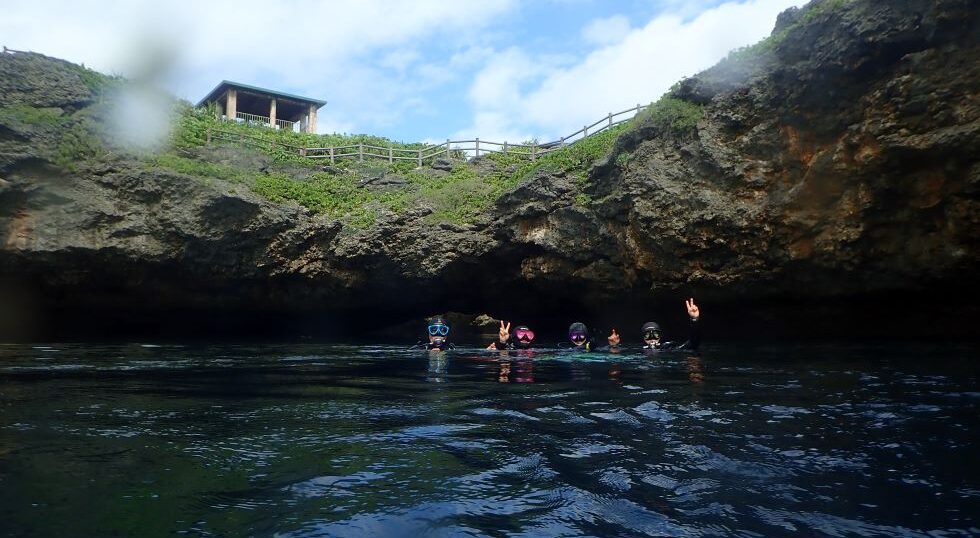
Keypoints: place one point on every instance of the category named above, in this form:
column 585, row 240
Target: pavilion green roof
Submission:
column 225, row 84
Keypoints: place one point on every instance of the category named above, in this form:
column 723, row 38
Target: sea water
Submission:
column 321, row 440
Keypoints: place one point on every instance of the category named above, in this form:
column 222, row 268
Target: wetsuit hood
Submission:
column 578, row 328
column 650, row 326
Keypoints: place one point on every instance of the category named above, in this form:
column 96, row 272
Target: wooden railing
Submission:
column 449, row 149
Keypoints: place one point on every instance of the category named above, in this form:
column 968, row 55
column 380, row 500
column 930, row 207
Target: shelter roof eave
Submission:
column 225, row 84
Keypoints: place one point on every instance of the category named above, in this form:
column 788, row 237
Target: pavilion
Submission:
column 251, row 104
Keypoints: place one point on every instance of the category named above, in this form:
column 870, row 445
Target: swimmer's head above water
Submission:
column 578, row 333
column 651, row 333
column 524, row 336
column 438, row 330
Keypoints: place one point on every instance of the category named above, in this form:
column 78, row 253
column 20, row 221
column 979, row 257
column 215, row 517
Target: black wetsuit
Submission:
column 511, row 343
column 692, row 343
column 587, row 347
column 425, row 344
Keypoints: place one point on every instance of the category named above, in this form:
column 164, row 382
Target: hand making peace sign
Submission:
column 692, row 309
column 504, row 332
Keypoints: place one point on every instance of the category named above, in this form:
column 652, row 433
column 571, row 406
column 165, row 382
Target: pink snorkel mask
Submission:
column 524, row 334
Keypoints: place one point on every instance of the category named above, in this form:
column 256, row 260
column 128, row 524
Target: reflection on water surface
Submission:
column 368, row 441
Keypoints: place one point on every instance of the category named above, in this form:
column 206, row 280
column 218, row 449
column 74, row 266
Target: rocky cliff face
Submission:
column 836, row 164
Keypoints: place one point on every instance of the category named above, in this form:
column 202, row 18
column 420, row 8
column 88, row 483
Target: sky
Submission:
column 408, row 70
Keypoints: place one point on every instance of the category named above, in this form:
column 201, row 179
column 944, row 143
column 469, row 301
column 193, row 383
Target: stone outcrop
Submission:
column 836, row 165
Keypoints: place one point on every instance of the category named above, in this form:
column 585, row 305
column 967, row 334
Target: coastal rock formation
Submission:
column 837, row 163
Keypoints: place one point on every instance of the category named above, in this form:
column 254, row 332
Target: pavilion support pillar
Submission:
column 272, row 113
column 231, row 108
column 311, row 124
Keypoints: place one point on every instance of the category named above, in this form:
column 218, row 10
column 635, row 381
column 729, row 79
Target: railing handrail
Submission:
column 448, row 148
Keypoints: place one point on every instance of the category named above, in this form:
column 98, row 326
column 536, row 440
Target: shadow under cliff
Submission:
column 26, row 315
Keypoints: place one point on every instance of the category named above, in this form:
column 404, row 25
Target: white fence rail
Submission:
column 449, row 149
column 265, row 121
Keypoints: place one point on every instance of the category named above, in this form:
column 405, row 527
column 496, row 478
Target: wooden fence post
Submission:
column 447, row 150
column 331, row 155
column 610, row 119
column 585, row 132
column 477, row 146
column 561, row 144
column 420, row 158
column 360, row 152
column 534, row 148
column 391, row 156
column 505, row 147
column 302, row 152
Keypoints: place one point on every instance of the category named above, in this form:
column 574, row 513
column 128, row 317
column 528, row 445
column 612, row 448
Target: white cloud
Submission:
column 637, row 69
column 500, row 80
column 378, row 62
column 320, row 49
column 606, row 31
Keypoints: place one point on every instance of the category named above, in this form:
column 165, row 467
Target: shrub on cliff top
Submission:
column 752, row 54
column 671, row 115
column 192, row 125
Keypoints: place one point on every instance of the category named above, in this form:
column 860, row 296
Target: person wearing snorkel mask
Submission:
column 578, row 334
column 523, row 337
column 438, row 331
column 653, row 334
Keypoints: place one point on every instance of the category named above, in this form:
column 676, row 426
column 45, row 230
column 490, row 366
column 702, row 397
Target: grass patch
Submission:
column 339, row 197
column 462, row 196
column 28, row 115
column 459, row 197
column 78, row 143
column 195, row 167
column 96, row 82
column 673, row 115
column 192, row 125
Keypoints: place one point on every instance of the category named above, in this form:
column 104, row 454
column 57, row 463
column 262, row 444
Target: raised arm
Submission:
column 694, row 339
column 692, row 309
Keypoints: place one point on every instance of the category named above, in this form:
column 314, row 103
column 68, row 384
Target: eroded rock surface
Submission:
column 840, row 161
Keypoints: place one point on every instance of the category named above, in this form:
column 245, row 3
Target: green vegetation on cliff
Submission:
column 672, row 115
column 755, row 53
column 192, row 125
column 268, row 162
column 459, row 195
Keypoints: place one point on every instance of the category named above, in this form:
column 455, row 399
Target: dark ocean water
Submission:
column 836, row 440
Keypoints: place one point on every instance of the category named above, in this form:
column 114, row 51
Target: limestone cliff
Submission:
column 837, row 164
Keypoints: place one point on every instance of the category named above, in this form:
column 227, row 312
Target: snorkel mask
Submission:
column 578, row 333
column 651, row 331
column 438, row 329
column 524, row 335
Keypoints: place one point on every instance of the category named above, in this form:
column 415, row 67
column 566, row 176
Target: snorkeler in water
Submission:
column 653, row 334
column 578, row 335
column 522, row 338
column 438, row 340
